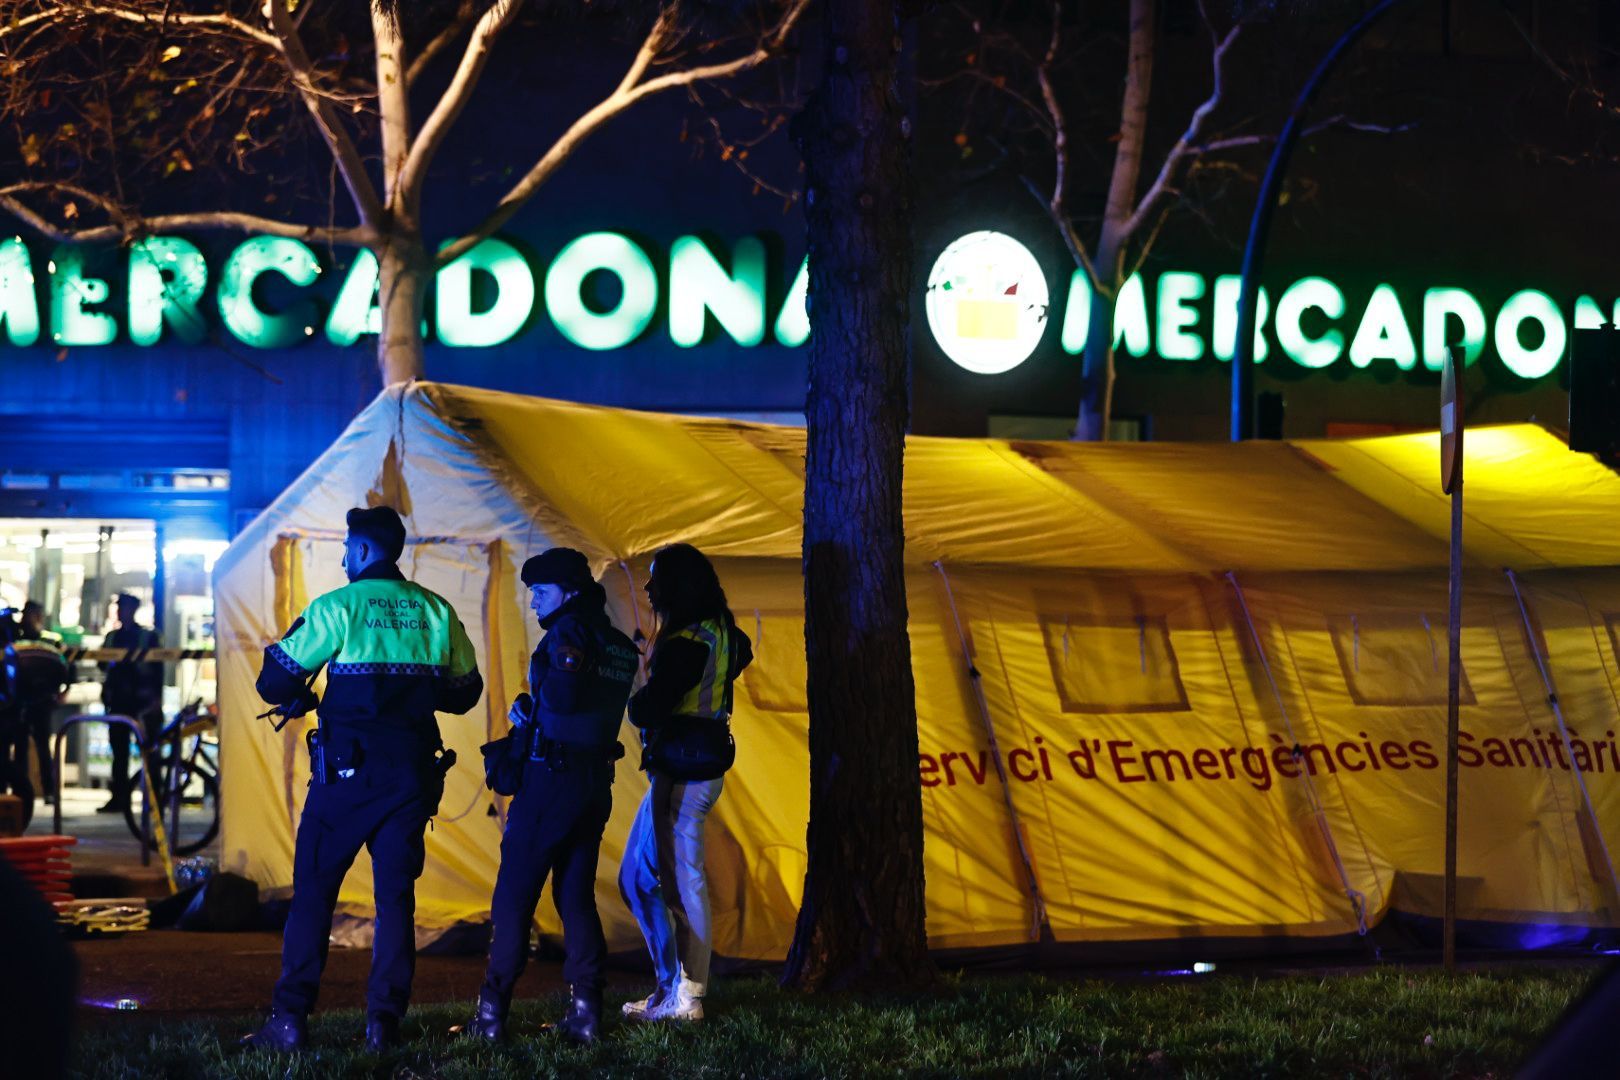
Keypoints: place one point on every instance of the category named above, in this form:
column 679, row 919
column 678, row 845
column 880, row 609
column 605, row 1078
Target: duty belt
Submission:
column 560, row 755
column 334, row 761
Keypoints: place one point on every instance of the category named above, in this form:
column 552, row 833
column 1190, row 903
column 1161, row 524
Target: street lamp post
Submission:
column 1260, row 224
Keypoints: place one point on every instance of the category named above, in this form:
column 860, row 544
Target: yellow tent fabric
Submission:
column 1212, row 676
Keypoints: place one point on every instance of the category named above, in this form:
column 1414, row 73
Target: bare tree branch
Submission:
column 454, row 99
column 336, row 136
column 738, row 158
column 1145, row 248
column 768, row 46
column 70, row 11
column 452, row 31
column 651, row 46
column 622, row 98
column 1173, row 159
column 1036, row 110
column 128, row 225
column 393, row 105
column 1238, row 142
column 1056, row 206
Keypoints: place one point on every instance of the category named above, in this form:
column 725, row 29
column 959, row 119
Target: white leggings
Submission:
column 664, row 882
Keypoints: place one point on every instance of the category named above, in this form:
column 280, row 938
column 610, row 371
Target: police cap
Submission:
column 560, row 566
column 381, row 527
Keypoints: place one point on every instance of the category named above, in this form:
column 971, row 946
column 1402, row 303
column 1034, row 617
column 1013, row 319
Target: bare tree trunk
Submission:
column 1097, row 367
column 402, row 268
column 402, row 262
column 1097, row 370
column 862, row 922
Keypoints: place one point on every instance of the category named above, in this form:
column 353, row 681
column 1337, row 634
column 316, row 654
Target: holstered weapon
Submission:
column 320, row 770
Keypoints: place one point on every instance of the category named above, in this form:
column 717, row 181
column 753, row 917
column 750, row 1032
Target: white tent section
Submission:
column 468, row 537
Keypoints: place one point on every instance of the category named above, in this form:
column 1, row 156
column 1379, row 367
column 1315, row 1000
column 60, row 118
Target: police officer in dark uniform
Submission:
column 43, row 675
column 567, row 729
column 395, row 654
column 133, row 688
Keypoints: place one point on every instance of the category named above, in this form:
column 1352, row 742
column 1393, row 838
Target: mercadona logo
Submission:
column 987, row 302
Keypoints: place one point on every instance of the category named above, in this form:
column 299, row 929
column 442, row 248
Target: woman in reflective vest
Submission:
column 684, row 713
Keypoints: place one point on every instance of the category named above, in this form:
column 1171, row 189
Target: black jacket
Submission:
column 679, row 664
column 132, row 687
column 581, row 672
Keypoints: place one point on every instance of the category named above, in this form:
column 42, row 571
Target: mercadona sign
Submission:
column 987, row 304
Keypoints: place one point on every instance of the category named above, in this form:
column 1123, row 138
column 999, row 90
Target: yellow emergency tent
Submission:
column 1163, row 691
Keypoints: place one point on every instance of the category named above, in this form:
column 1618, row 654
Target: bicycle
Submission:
column 185, row 781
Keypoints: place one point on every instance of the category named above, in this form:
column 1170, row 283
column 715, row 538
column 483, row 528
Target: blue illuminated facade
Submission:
column 127, row 431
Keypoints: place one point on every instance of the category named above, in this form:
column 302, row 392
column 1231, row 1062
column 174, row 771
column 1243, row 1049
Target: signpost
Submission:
column 1451, row 482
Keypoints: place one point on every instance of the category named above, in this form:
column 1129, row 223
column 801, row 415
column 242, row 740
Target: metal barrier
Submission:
column 139, row 734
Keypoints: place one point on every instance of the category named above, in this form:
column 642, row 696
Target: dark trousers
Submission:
column 151, row 722
column 384, row 808
column 33, row 722
column 553, row 827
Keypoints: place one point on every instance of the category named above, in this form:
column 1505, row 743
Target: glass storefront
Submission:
column 74, row 568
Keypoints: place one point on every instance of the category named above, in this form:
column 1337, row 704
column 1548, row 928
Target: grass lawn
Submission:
column 1386, row 1022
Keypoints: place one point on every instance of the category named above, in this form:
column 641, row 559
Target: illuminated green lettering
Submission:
column 1131, row 318
column 1077, row 313
column 1521, row 307
column 1589, row 316
column 457, row 323
column 1440, row 305
column 167, row 276
column 698, row 285
column 355, row 311
column 71, row 291
column 1228, row 289
column 1383, row 333
column 251, row 325
column 1302, row 349
column 793, row 321
column 19, row 306
column 638, row 281
column 1177, row 291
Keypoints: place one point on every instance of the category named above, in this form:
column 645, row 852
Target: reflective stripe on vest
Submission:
column 708, row 698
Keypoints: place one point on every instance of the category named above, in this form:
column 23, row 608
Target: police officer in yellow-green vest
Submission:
column 395, row 653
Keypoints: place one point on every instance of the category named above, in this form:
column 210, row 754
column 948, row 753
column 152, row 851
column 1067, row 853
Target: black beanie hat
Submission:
column 379, row 525
column 559, row 566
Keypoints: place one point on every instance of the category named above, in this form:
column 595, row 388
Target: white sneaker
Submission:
column 646, row 1009
column 683, row 1006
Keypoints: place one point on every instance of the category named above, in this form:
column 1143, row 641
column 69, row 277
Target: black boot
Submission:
column 583, row 1024
column 490, row 1022
column 283, row 1033
column 382, row 1032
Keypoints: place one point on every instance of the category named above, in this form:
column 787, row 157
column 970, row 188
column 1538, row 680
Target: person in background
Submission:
column 683, row 711
column 10, row 714
column 133, row 687
column 43, row 674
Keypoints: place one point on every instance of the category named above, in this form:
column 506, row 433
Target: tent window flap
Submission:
column 1113, row 665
